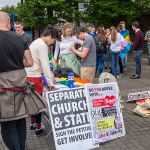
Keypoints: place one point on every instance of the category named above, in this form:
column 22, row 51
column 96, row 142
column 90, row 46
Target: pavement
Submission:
column 137, row 128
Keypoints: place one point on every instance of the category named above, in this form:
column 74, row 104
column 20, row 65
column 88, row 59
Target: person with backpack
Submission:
column 115, row 39
column 101, row 50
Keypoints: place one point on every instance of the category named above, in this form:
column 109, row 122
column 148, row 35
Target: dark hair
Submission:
column 80, row 29
column 49, row 30
column 18, row 22
column 136, row 24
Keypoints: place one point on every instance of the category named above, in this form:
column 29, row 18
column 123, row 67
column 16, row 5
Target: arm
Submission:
column 78, row 41
column 82, row 53
column 43, row 56
column 57, row 47
column 136, row 41
column 146, row 37
column 28, row 61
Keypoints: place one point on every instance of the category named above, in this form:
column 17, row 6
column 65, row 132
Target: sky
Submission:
column 8, row 2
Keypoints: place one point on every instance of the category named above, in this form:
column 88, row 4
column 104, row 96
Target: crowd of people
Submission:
column 86, row 50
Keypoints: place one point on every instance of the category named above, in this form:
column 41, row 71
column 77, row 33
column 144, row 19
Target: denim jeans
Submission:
column 100, row 62
column 107, row 60
column 124, row 61
column 137, row 59
column 148, row 47
column 14, row 134
column 115, row 67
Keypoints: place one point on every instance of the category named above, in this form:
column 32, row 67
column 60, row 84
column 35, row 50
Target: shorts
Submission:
column 38, row 85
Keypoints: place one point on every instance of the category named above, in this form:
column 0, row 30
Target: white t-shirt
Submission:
column 64, row 45
column 116, row 46
column 39, row 51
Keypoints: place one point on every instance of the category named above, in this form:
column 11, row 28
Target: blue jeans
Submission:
column 107, row 60
column 115, row 67
column 137, row 59
column 148, row 47
column 100, row 62
column 14, row 134
column 124, row 60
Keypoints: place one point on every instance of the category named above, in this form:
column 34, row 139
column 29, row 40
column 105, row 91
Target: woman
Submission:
column 67, row 57
column 115, row 39
column 100, row 55
column 39, row 50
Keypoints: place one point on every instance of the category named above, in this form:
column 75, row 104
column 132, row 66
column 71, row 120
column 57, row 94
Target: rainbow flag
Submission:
column 52, row 62
column 126, row 44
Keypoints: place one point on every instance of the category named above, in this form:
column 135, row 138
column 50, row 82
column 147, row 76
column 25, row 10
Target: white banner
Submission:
column 105, row 113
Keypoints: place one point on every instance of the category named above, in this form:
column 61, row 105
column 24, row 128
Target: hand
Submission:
column 72, row 48
column 52, row 88
column 54, row 80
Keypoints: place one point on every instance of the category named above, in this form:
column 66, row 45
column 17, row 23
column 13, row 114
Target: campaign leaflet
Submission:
column 105, row 113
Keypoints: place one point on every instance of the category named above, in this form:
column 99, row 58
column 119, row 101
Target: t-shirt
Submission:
column 92, row 34
column 27, row 37
column 116, row 46
column 147, row 35
column 90, row 59
column 12, row 47
column 39, row 51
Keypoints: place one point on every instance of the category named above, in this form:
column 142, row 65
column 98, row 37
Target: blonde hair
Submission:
column 66, row 26
column 113, row 32
column 101, row 33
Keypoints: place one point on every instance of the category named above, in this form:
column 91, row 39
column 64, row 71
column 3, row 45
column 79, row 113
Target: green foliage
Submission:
column 9, row 9
column 42, row 12
column 111, row 12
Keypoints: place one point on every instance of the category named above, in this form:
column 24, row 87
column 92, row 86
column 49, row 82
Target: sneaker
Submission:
column 32, row 127
column 38, row 132
column 125, row 68
column 118, row 77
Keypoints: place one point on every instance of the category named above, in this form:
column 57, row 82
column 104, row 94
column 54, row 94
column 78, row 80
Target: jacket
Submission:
column 17, row 96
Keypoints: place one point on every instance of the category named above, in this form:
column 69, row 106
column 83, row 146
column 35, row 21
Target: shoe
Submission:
column 121, row 74
column 38, row 132
column 125, row 68
column 32, row 127
column 118, row 77
column 105, row 67
column 135, row 77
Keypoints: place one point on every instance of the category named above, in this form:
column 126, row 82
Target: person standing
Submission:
column 92, row 31
column 39, row 50
column 147, row 38
column 13, row 49
column 18, row 25
column 67, row 57
column 137, row 48
column 115, row 39
column 87, row 54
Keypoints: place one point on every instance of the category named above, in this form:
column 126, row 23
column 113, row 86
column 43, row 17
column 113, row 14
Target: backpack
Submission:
column 106, row 77
column 100, row 46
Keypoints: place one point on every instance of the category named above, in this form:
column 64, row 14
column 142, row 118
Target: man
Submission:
column 92, row 32
column 125, row 33
column 13, row 79
column 137, row 48
column 88, row 54
column 147, row 38
column 19, row 30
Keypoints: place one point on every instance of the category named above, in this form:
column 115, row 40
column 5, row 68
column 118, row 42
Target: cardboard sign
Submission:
column 138, row 96
column 70, row 119
column 105, row 114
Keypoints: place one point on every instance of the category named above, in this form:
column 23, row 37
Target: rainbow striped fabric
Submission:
column 52, row 62
column 126, row 44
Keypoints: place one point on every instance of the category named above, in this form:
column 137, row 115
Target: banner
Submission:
column 105, row 114
column 70, row 119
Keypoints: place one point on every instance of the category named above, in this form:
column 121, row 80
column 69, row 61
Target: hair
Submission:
column 80, row 29
column 66, row 26
column 122, row 22
column 119, row 27
column 101, row 25
column 101, row 33
column 113, row 32
column 18, row 22
column 49, row 30
column 136, row 24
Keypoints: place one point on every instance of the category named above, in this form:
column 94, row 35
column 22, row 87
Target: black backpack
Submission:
column 100, row 46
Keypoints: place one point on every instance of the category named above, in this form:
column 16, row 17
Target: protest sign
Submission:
column 70, row 119
column 138, row 96
column 105, row 114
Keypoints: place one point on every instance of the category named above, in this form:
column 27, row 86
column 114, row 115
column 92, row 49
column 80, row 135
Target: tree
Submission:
column 42, row 12
column 111, row 12
column 9, row 9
